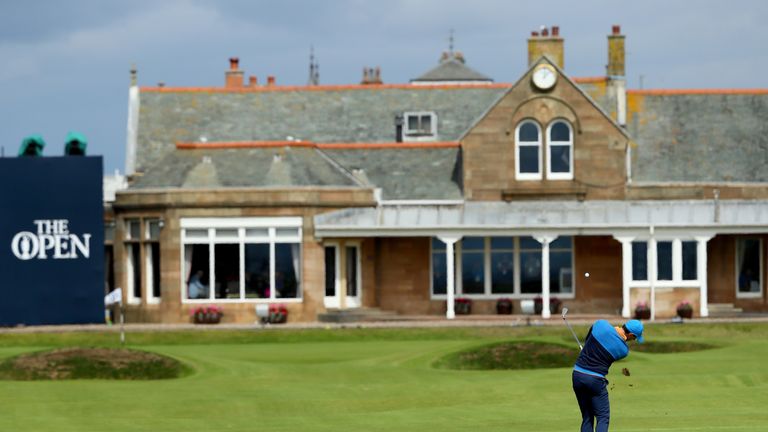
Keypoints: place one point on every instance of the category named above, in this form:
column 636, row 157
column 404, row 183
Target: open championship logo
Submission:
column 52, row 238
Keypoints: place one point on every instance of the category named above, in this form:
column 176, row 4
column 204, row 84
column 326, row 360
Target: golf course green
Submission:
column 391, row 380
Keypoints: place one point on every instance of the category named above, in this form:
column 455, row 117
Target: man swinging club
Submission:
column 604, row 345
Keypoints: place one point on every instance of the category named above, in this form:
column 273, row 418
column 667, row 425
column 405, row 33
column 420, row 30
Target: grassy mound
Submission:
column 510, row 355
column 90, row 363
column 670, row 347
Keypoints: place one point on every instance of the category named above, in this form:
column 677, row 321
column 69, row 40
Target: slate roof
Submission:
column 359, row 114
column 452, row 70
column 705, row 136
column 254, row 167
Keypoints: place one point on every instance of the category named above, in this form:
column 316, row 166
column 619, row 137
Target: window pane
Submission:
column 196, row 233
column 228, row 233
column 351, row 271
column 639, row 261
column 530, row 268
column 413, row 123
column 109, row 231
column 560, row 158
column 473, row 273
column 748, row 254
column 426, row 124
column 502, row 243
column 134, row 255
column 473, row 243
column 153, row 252
column 257, row 232
column 664, row 260
column 529, row 132
column 196, row 264
column 256, row 270
column 562, row 242
column 689, row 260
column 287, row 270
column 530, row 243
column 560, row 132
column 502, row 273
column 529, row 159
column 153, row 230
column 439, row 280
column 287, row 232
column 133, row 229
column 437, row 244
column 330, row 271
column 560, row 272
column 227, row 271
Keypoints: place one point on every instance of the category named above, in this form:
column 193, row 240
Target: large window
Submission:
column 560, row 154
column 528, row 155
column 247, row 259
column 504, row 267
column 676, row 262
column 748, row 267
column 133, row 260
column 152, row 258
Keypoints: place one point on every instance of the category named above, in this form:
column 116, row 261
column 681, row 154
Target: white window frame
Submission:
column 272, row 224
column 677, row 280
column 518, row 144
column 129, row 243
column 487, row 294
column 566, row 175
column 749, row 295
column 411, row 135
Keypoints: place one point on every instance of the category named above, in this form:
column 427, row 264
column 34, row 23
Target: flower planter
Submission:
column 685, row 313
column 642, row 314
column 462, row 306
column 554, row 305
column 504, row 307
column 207, row 315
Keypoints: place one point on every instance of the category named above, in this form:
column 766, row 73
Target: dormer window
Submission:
column 528, row 155
column 419, row 126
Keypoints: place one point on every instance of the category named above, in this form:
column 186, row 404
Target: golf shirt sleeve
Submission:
column 602, row 347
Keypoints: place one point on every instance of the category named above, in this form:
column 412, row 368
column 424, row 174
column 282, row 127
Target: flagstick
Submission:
column 122, row 325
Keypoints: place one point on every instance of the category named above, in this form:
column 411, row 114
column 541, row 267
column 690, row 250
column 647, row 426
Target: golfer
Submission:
column 604, row 345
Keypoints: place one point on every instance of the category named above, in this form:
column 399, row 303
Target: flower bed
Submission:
column 210, row 314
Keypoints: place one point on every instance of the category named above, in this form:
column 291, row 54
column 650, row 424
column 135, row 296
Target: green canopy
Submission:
column 32, row 146
column 76, row 144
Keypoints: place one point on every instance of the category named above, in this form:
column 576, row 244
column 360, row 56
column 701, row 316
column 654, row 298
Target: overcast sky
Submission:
column 65, row 64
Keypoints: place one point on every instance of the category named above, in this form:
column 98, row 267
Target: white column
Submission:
column 652, row 272
column 545, row 240
column 701, row 273
column 626, row 273
column 451, row 278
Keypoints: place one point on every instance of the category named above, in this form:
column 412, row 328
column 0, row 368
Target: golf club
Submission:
column 565, row 311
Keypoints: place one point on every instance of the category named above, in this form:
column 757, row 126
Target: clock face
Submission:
column 544, row 77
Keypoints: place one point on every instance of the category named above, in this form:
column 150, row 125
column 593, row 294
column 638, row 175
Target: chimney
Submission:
column 371, row 76
column 615, row 66
column 270, row 80
column 234, row 76
column 542, row 43
column 252, row 81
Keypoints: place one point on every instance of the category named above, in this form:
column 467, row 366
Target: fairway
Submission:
column 383, row 380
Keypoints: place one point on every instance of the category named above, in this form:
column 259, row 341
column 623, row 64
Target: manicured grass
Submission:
column 510, row 355
column 384, row 380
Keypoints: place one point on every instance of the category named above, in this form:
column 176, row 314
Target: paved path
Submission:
column 406, row 322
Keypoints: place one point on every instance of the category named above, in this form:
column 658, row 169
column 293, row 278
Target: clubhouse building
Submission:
column 404, row 197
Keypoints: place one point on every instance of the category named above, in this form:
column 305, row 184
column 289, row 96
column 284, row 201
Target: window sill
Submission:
column 544, row 189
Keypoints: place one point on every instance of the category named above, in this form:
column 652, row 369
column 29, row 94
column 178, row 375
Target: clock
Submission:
column 544, row 77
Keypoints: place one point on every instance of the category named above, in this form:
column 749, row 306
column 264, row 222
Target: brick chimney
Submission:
column 546, row 42
column 270, row 80
column 234, row 76
column 615, row 66
column 371, row 76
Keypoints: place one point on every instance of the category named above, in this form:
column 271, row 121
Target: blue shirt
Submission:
column 602, row 347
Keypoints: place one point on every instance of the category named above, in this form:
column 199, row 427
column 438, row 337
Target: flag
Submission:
column 115, row 296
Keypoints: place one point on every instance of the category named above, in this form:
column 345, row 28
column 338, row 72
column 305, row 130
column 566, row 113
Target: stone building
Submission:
column 402, row 197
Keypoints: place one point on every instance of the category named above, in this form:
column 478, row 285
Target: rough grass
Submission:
column 670, row 347
column 510, row 355
column 90, row 363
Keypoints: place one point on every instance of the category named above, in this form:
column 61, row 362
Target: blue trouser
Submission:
column 592, row 394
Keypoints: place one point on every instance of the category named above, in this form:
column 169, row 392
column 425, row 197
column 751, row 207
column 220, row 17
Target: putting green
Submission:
column 383, row 380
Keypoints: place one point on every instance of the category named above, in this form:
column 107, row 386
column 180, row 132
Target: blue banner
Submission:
column 51, row 240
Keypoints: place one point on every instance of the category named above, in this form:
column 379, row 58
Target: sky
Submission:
column 64, row 65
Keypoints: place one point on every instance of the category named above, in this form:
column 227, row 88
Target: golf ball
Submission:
column 586, row 274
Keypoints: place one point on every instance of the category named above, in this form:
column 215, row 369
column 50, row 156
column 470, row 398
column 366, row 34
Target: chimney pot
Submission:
column 616, row 29
column 233, row 63
column 545, row 32
column 555, row 31
column 534, row 33
column 271, row 80
column 252, row 80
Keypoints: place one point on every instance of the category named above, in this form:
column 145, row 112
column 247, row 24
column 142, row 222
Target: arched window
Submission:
column 560, row 151
column 528, row 154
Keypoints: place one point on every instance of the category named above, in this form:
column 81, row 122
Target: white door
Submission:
column 333, row 281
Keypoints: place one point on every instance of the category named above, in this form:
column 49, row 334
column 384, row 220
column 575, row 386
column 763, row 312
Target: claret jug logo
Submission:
column 53, row 240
